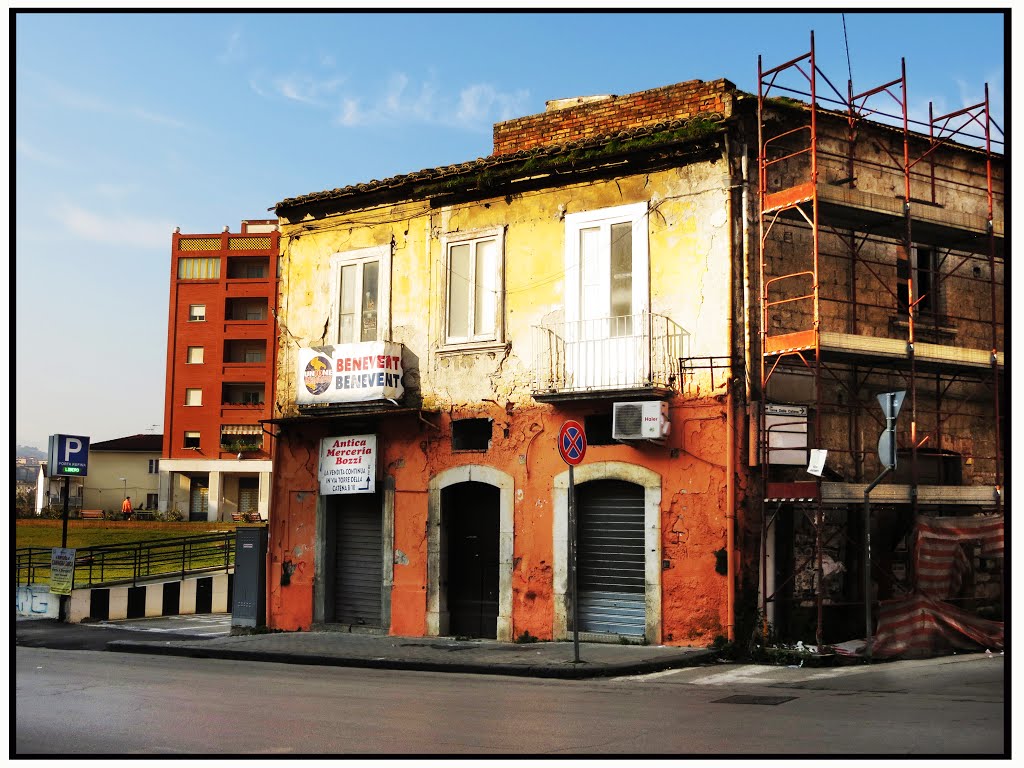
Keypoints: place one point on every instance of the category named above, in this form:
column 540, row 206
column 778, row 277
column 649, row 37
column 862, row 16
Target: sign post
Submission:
column 68, row 456
column 572, row 447
column 891, row 403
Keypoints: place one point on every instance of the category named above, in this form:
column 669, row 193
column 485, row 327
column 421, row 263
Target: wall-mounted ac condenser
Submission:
column 644, row 420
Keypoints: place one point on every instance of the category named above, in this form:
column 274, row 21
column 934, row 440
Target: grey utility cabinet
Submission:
column 249, row 591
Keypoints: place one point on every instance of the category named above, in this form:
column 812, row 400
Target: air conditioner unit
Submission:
column 644, row 420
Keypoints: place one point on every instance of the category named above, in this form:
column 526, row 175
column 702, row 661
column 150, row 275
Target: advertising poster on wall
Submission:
column 350, row 373
column 348, row 464
column 62, row 571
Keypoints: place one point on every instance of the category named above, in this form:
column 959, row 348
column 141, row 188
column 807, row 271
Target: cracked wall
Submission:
column 690, row 250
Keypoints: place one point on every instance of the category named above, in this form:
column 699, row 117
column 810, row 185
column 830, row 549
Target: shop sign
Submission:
column 350, row 373
column 348, row 464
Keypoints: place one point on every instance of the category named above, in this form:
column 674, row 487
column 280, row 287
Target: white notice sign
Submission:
column 348, row 464
column 817, row 463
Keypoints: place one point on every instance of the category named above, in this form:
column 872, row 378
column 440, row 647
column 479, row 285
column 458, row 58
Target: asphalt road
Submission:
column 83, row 702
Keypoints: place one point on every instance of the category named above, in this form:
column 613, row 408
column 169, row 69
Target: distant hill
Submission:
column 29, row 451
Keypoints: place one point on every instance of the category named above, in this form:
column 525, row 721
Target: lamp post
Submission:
column 125, row 481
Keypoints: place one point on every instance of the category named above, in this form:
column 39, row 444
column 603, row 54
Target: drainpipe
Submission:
column 730, row 481
column 746, row 275
column 730, row 517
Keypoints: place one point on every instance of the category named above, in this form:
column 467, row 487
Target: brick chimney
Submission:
column 588, row 116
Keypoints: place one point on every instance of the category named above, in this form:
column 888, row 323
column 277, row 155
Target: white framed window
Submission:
column 606, row 266
column 474, row 280
column 361, row 295
column 193, row 397
column 191, row 440
column 196, row 313
column 195, row 355
column 154, row 466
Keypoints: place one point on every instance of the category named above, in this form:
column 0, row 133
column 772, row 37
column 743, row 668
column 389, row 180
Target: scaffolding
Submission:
column 881, row 269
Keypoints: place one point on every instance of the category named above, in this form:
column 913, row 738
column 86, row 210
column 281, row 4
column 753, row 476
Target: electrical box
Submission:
column 644, row 420
column 249, row 586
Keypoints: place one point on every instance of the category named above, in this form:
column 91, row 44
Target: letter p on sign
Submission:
column 72, row 446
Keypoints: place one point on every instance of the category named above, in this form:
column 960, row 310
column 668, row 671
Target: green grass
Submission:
column 94, row 533
column 46, row 534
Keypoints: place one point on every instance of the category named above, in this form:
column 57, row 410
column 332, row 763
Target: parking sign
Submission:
column 68, row 456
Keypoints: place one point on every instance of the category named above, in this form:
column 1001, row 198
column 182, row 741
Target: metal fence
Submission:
column 131, row 563
column 627, row 352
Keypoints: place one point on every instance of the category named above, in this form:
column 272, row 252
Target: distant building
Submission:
column 216, row 458
column 123, row 466
column 50, row 491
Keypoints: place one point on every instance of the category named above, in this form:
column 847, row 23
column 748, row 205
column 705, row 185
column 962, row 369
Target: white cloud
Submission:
column 234, row 48
column 484, row 103
column 350, row 113
column 87, row 102
column 301, row 88
column 33, row 153
column 116, row 229
column 475, row 107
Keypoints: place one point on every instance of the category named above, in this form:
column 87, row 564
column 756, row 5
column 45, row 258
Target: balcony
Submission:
column 627, row 356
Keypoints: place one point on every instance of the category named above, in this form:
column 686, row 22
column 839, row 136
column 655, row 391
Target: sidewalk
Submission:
column 433, row 654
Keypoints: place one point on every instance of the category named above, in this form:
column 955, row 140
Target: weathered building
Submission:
column 881, row 243
column 221, row 347
column 603, row 265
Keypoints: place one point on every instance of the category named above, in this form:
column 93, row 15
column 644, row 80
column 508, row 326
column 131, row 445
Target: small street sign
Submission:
column 572, row 443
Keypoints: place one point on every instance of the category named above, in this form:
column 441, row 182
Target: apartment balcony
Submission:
column 627, row 356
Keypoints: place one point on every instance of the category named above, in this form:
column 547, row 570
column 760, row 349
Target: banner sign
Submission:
column 62, row 571
column 348, row 464
column 350, row 373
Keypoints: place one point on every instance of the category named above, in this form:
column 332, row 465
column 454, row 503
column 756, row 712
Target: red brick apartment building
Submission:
column 221, row 354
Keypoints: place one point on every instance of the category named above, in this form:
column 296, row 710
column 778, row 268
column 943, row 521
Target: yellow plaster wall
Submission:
column 689, row 257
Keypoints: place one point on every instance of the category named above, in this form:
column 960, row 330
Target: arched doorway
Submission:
column 611, row 558
column 470, row 558
column 636, row 480
column 438, row 536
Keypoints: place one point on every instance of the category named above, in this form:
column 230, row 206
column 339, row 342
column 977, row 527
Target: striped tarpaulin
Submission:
column 939, row 558
column 920, row 626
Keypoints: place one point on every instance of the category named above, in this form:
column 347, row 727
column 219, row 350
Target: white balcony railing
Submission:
column 640, row 351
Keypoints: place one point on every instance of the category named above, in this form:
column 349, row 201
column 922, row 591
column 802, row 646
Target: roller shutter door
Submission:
column 359, row 563
column 611, row 558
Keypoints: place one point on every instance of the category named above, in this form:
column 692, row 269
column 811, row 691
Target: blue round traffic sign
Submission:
column 572, row 442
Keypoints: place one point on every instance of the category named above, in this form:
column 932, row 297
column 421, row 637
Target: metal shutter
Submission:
column 359, row 563
column 611, row 557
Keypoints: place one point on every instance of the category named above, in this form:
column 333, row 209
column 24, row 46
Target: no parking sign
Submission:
column 572, row 443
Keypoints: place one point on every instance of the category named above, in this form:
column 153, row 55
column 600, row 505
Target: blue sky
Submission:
column 128, row 125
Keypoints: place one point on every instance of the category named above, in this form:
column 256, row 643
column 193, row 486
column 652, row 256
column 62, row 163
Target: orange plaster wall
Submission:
column 693, row 520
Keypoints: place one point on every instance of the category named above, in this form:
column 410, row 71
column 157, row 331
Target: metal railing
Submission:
column 131, row 563
column 609, row 353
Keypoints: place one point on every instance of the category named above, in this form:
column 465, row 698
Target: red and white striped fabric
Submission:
column 920, row 626
column 939, row 558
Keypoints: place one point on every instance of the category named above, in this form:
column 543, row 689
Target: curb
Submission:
column 569, row 672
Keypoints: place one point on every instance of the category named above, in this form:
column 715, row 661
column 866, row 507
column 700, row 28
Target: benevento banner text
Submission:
column 350, row 373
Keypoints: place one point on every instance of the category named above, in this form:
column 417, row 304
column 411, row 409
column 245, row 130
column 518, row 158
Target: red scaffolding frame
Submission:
column 794, row 196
